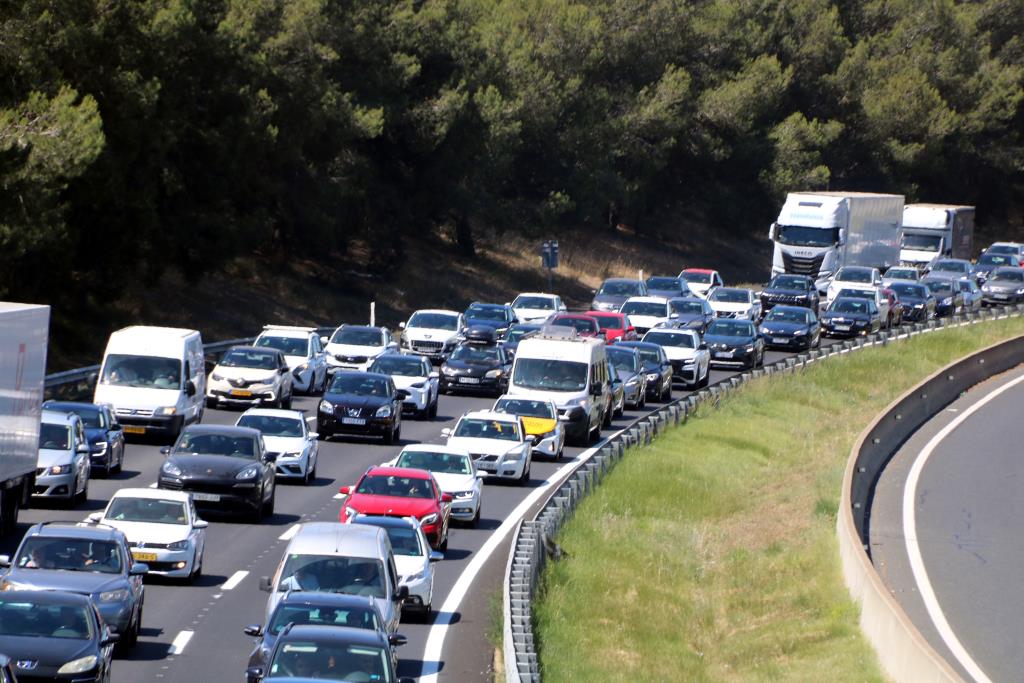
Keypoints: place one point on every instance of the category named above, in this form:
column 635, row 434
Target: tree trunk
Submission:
column 464, row 236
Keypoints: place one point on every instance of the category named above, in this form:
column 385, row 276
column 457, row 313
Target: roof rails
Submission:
column 559, row 332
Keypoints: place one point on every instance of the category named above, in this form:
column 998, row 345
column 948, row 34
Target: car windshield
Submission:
column 289, row 346
column 359, row 385
column 730, row 296
column 24, row 619
column 475, row 353
column 687, row 307
column 323, row 615
column 608, row 322
column 149, row 510
column 781, row 315
column 854, row 275
column 525, row 407
column 486, row 313
column 405, row 541
column 650, row 308
column 1008, row 276
column 996, row 260
column 549, row 375
column 249, row 358
column 333, row 574
column 952, row 266
column 91, row 417
column 905, row 291
column 273, row 425
column 358, row 336
column 731, row 328
column 922, row 242
column 698, row 278
column 624, row 360
column 620, row 288
column 676, row 339
column 664, row 283
column 648, row 355
column 801, row 236
column 215, row 444
column 330, row 661
column 578, row 324
column 54, row 437
column 69, row 554
column 395, row 486
column 939, row 287
column 851, row 306
column 142, row 371
column 403, row 366
column 432, row 461
column 856, row 293
column 789, row 282
column 901, row 274
column 481, row 428
column 1003, row 249
column 542, row 303
column 435, row 321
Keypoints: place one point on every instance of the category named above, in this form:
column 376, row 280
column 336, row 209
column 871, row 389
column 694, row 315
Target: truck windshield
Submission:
column 922, row 242
column 142, row 371
column 801, row 236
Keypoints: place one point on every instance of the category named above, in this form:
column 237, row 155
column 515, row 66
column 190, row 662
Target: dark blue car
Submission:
column 791, row 327
column 105, row 435
column 734, row 343
column 692, row 313
column 790, row 290
column 498, row 317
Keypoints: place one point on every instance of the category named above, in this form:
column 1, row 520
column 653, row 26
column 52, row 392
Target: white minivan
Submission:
column 155, row 379
column 571, row 371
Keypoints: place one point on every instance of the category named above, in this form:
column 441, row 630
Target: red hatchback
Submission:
column 401, row 492
column 614, row 326
column 584, row 325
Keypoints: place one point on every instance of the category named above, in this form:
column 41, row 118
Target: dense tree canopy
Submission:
column 145, row 133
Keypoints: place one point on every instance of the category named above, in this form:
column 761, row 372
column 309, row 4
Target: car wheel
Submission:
column 211, row 403
column 608, row 418
column 476, row 518
column 81, row 498
column 268, row 510
column 287, row 405
column 119, row 467
column 433, row 409
column 443, row 545
column 389, row 437
column 666, row 393
column 310, row 475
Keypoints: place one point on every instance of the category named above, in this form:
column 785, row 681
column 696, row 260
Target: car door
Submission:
column 267, row 468
column 115, row 435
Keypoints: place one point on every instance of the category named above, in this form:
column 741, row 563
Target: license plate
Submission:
column 353, row 421
column 469, row 380
column 241, row 392
column 1000, row 296
column 486, row 465
column 208, row 497
column 132, row 429
column 144, row 557
column 779, row 340
column 724, row 354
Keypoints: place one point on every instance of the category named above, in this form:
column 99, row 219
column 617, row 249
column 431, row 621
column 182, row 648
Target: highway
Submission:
column 945, row 530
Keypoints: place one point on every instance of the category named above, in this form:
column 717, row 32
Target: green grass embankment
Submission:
column 711, row 555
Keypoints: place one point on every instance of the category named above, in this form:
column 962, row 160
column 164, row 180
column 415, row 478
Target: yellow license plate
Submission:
column 132, row 429
column 144, row 557
column 241, row 392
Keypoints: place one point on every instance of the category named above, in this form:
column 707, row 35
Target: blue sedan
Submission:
column 791, row 327
column 105, row 434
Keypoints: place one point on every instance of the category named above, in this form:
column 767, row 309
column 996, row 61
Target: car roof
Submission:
column 73, row 530
column 794, row 309
column 491, row 415
column 385, row 522
column 275, row 412
column 849, row 298
column 638, row 345
column 363, row 375
column 606, row 314
column 359, row 327
column 671, row 330
column 153, row 494
column 224, row 430
column 622, row 279
column 434, row 448
column 408, row 472
column 65, row 406
column 257, row 349
column 480, row 304
column 707, row 271
column 857, row 268
column 58, row 417
column 46, row 597
column 544, row 294
column 288, row 331
column 573, row 316
column 334, row 634
column 343, row 539
column 734, row 289
column 340, row 600
column 435, row 310
column 647, row 299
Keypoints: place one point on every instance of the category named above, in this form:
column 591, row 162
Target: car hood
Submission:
column 731, row 342
column 830, row 316
column 475, row 368
column 394, row 506
column 138, row 398
column 145, row 532
column 528, row 314
column 86, row 583
column 47, row 651
column 94, row 434
column 626, row 375
column 781, row 327
column 730, row 306
column 410, row 564
column 779, row 291
column 356, row 401
column 483, row 446
column 451, row 483
column 404, row 382
column 214, row 466
column 248, row 374
column 429, row 334
column 285, row 444
column 354, row 350
column 679, row 352
column 646, row 320
column 49, row 457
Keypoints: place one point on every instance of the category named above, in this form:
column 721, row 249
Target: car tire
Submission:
column 119, row 467
column 81, row 498
column 197, row 568
column 443, row 545
column 310, row 475
column 211, row 403
column 287, row 405
column 268, row 507
column 433, row 409
column 476, row 518
column 666, row 393
column 607, row 422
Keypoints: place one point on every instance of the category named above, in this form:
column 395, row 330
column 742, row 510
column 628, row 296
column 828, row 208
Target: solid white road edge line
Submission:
column 435, row 638
column 235, row 579
column 180, row 641
column 287, row 536
column 931, row 602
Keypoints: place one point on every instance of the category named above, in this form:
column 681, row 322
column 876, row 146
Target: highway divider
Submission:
column 533, row 543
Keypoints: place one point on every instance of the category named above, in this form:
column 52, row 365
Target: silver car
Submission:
column 63, row 469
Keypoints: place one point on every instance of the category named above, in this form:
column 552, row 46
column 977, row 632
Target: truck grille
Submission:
column 134, row 412
column 800, row 265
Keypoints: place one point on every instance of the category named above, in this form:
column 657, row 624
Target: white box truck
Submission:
column 23, row 336
column 934, row 231
column 817, row 233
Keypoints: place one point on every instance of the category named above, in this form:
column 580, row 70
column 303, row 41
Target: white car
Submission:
column 414, row 559
column 286, row 434
column 414, row 375
column 455, row 473
column 303, row 351
column 355, row 347
column 540, row 419
column 432, row 333
column 701, row 280
column 536, row 307
column 853, row 277
column 730, row 302
column 900, row 274
column 163, row 530
column 250, row 376
column 497, row 442
column 646, row 312
column 689, row 355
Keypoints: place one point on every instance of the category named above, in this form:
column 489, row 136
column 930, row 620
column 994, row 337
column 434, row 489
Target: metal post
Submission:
column 373, row 314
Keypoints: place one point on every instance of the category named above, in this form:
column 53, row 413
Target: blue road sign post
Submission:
column 549, row 259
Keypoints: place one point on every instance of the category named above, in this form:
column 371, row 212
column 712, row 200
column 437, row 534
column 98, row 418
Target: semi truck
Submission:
column 934, row 231
column 23, row 337
column 817, row 233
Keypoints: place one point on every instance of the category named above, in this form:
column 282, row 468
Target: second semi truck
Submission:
column 934, row 231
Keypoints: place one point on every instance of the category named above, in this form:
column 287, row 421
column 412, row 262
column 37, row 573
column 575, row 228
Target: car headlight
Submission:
column 689, row 361
column 652, row 376
column 986, row 288
column 80, row 665
column 799, row 333
column 418, row 576
column 633, row 382
column 462, row 495
column 921, row 305
column 326, row 407
column 383, row 411
column 448, row 371
column 59, row 469
column 249, row 472
column 178, row 545
column 1020, row 291
column 581, row 402
column 171, row 469
column 947, row 301
column 169, row 410
column 749, row 348
column 418, row 385
column 295, row 454
column 765, row 330
column 101, row 447
column 514, row 456
column 118, row 595
column 429, row 519
column 215, row 377
column 267, row 380
column 494, row 373
column 302, row 368
column 350, row 512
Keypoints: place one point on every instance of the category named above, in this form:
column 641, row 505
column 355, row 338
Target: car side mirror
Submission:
column 401, row 326
column 200, row 524
column 254, row 673
column 703, row 346
column 446, row 432
column 270, row 457
column 434, row 375
column 116, row 426
column 265, row 585
column 402, row 593
column 481, row 475
column 402, row 394
column 771, row 231
column 283, row 370
column 165, row 451
column 345, row 489
column 254, row 630
column 323, row 340
column 397, row 640
column 138, row 569
column 109, row 638
column 446, row 498
column 436, row 556
column 597, row 388
column 95, row 518
column 313, row 436
column 5, row 560
column 535, row 439
column 190, row 388
column 82, row 448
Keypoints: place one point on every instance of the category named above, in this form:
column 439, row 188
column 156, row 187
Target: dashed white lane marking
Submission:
column 235, row 579
column 286, row 536
column 927, row 592
column 339, row 496
column 180, row 641
column 153, row 485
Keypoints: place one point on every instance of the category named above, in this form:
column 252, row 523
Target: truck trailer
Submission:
column 23, row 337
column 817, row 233
column 934, row 231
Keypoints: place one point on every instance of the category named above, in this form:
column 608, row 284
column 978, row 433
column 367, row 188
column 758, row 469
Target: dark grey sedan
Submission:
column 1004, row 286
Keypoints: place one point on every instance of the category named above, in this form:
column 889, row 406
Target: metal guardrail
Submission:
column 533, row 541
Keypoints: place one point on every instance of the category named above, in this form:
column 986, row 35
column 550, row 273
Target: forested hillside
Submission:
column 137, row 135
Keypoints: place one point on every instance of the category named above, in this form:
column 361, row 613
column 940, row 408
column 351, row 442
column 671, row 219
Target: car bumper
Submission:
column 153, row 424
column 1000, row 299
column 418, row 400
column 420, row 593
column 334, row 366
column 551, row 445
column 499, row 467
column 374, row 426
column 291, row 468
column 117, row 615
column 684, row 373
column 853, row 331
column 733, row 358
column 241, row 496
column 464, row 509
column 483, row 385
column 170, row 563
column 782, row 341
column 55, row 486
column 915, row 315
column 255, row 397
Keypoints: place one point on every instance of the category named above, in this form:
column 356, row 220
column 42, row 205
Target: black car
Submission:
column 53, row 636
column 476, row 366
column 336, row 653
column 498, row 317
column 1004, row 286
column 656, row 367
column 849, row 317
column 692, row 313
column 515, row 334
column 222, row 467
column 361, row 403
column 734, row 343
column 668, row 287
column 987, row 263
column 918, row 301
column 790, row 290
column 314, row 608
column 105, row 434
column 948, row 297
column 791, row 327
column 630, row 369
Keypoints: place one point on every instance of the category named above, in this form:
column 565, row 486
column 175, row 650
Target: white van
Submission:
column 155, row 379
column 571, row 371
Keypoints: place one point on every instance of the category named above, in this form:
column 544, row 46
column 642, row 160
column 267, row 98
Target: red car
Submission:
column 401, row 492
column 615, row 326
column 585, row 325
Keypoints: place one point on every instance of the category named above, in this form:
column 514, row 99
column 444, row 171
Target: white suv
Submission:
column 853, row 277
column 355, row 347
column 433, row 333
column 497, row 442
